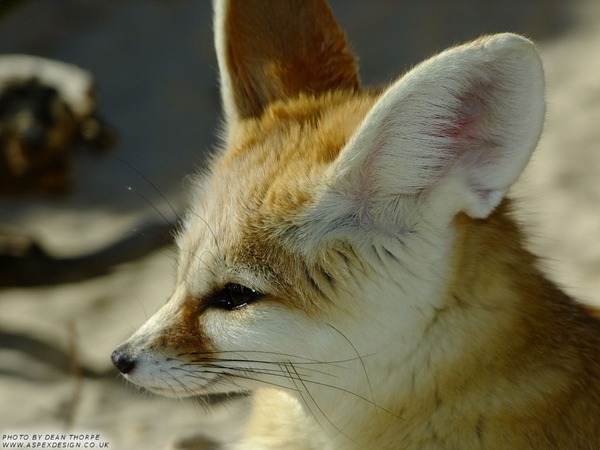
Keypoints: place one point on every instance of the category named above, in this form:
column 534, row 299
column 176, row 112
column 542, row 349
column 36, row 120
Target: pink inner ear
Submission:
column 462, row 126
column 466, row 136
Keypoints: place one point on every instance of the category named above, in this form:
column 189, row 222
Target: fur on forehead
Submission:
column 251, row 199
column 274, row 164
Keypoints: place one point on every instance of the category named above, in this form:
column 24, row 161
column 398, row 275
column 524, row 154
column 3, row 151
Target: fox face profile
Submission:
column 352, row 251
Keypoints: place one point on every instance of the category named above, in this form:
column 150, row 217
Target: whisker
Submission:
column 225, row 370
column 317, row 405
column 245, row 377
column 202, row 266
column 209, row 362
column 167, row 383
column 154, row 188
column 174, row 378
column 286, row 355
column 273, row 372
column 214, row 236
column 300, row 391
column 362, row 363
column 346, row 391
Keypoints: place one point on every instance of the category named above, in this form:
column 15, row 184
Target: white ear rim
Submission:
column 225, row 82
column 383, row 139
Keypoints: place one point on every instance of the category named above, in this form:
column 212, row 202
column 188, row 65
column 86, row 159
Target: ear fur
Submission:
column 457, row 130
column 270, row 50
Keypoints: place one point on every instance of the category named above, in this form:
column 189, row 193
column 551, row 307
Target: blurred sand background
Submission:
column 156, row 71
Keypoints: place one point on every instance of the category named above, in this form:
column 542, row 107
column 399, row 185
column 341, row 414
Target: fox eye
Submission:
column 233, row 296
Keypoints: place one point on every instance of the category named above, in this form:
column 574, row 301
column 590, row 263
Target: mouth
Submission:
column 207, row 399
column 219, row 399
column 208, row 394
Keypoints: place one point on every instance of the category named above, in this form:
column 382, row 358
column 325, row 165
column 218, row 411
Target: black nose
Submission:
column 122, row 360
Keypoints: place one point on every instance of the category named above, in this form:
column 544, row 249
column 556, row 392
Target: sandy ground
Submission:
column 157, row 76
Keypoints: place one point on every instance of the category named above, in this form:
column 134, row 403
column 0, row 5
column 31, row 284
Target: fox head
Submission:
column 319, row 243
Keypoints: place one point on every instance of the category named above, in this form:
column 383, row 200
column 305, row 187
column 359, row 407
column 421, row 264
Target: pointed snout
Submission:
column 123, row 359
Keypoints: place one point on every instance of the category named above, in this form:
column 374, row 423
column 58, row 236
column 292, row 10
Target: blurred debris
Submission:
column 24, row 262
column 47, row 110
column 47, row 361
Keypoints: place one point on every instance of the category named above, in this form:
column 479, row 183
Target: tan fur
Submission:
column 539, row 361
column 497, row 357
column 291, row 52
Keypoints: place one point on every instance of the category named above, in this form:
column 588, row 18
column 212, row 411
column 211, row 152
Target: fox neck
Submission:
column 466, row 349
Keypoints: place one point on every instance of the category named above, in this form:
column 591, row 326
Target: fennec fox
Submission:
column 353, row 249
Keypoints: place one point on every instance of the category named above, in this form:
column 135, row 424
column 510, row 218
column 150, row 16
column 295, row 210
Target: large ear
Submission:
column 274, row 49
column 455, row 132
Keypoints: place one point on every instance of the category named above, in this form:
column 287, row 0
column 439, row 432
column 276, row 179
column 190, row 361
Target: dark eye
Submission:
column 233, row 296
